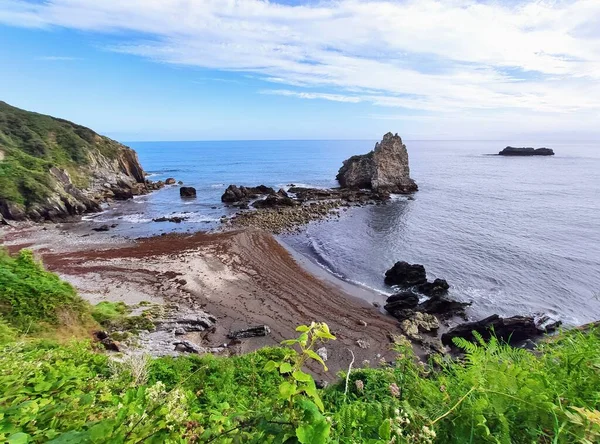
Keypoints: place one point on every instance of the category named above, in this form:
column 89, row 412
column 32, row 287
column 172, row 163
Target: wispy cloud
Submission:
column 312, row 95
column 533, row 56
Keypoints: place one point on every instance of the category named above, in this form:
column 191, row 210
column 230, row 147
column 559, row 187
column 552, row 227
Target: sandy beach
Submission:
column 244, row 278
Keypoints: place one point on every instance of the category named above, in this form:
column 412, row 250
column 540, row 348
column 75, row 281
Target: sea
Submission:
column 513, row 235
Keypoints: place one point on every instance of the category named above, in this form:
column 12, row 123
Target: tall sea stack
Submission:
column 383, row 169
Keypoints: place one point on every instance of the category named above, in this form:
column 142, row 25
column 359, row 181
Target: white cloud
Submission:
column 312, row 95
column 536, row 57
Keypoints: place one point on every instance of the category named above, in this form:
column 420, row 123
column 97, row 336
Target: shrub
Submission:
column 31, row 297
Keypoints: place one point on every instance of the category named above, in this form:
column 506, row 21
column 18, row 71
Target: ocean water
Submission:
column 513, row 235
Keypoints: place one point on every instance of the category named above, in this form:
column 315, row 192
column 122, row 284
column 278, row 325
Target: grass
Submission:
column 33, row 143
column 72, row 392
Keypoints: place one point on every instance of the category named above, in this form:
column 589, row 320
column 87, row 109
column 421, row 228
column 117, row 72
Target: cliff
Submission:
column 52, row 169
column 383, row 169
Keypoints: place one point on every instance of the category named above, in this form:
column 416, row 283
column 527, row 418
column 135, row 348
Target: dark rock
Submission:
column 383, row 169
column 275, row 200
column 435, row 288
column 188, row 347
column 233, row 193
column 511, row 330
column 406, row 275
column 122, row 193
column 175, row 219
column 170, row 181
column 180, row 182
column 187, row 192
column 512, row 151
column 401, row 301
column 101, row 228
column 442, row 306
column 261, row 330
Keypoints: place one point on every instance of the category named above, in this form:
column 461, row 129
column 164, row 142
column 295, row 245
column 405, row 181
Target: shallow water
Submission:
column 514, row 235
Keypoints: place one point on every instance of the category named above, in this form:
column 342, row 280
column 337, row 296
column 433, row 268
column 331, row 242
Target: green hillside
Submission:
column 31, row 144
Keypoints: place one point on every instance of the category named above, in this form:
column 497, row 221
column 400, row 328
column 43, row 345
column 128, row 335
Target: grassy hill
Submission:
column 41, row 157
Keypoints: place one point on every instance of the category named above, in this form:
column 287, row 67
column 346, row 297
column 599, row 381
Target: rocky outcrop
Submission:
column 170, row 181
column 187, row 192
column 233, row 193
column 512, row 330
column 512, row 151
column 404, row 274
column 383, row 169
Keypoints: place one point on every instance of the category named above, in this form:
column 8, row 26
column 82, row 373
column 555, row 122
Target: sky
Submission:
column 306, row 69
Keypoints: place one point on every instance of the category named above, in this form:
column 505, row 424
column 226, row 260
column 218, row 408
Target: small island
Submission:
column 512, row 151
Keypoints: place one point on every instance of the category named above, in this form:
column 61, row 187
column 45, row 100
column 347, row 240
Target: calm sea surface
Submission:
column 513, row 235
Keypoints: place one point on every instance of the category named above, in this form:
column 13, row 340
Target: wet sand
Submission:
column 244, row 278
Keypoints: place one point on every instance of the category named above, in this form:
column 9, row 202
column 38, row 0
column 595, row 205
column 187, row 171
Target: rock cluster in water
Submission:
column 512, row 151
column 280, row 211
column 383, row 169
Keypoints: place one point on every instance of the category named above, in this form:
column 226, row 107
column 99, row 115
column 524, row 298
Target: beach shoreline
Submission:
column 242, row 277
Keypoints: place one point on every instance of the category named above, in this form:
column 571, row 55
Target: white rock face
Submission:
column 383, row 169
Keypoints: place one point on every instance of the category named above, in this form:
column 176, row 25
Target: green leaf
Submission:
column 385, row 430
column 270, row 366
column 287, row 390
column 285, row 367
column 315, row 433
column 18, row 438
column 316, row 357
column 302, row 328
column 299, row 375
column 289, row 342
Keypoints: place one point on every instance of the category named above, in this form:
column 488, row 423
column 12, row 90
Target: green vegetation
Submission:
column 32, row 143
column 31, row 299
column 74, row 393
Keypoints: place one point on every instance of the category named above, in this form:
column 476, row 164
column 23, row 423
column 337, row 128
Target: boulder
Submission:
column 187, row 192
column 275, row 200
column 420, row 322
column 261, row 330
column 401, row 301
column 121, row 193
column 188, row 347
column 511, row 330
column 233, row 193
column 383, row 169
column 442, row 306
column 512, row 151
column 170, row 181
column 406, row 275
column 101, row 228
column 436, row 288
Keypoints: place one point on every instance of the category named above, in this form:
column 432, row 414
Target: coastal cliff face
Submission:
column 52, row 169
column 384, row 169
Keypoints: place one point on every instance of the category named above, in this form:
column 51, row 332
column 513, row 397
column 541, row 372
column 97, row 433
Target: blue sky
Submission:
column 252, row 69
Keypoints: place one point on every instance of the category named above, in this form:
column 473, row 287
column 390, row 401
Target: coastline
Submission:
column 242, row 277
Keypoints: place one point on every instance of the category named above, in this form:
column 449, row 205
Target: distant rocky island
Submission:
column 384, row 169
column 53, row 169
column 512, row 151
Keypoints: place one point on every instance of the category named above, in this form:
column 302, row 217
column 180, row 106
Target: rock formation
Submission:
column 383, row 169
column 53, row 169
column 512, row 151
column 233, row 193
column 512, row 330
column 406, row 275
column 187, row 192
